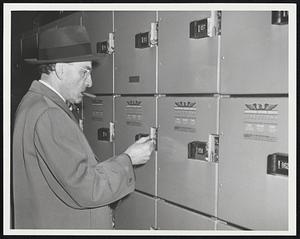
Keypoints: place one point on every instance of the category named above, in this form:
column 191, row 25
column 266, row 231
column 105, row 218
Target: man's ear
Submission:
column 59, row 70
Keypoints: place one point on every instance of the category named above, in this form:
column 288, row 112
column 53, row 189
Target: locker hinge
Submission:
column 154, row 136
column 111, row 131
column 106, row 47
column 213, row 148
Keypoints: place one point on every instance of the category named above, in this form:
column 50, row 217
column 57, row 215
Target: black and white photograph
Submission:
column 149, row 119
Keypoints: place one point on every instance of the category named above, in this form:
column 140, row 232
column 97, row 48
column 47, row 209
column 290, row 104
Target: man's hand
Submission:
column 141, row 150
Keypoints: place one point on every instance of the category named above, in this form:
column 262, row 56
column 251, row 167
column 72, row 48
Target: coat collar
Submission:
column 43, row 90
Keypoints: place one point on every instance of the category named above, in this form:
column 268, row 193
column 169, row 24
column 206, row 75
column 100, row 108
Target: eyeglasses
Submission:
column 86, row 72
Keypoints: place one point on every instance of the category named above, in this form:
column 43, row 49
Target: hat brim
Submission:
column 69, row 59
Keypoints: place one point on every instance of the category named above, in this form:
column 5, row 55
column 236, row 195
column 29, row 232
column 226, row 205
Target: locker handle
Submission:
column 278, row 164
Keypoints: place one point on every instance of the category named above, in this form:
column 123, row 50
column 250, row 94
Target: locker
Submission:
column 99, row 25
column 135, row 65
column 254, row 53
column 135, row 211
column 253, row 166
column 97, row 115
column 186, row 65
column 186, row 163
column 221, row 226
column 135, row 116
column 171, row 217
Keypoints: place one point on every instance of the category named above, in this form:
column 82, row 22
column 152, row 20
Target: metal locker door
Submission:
column 171, row 217
column 135, row 68
column 184, row 174
column 135, row 116
column 253, row 187
column 99, row 25
column 186, row 65
column 254, row 53
column 135, row 211
column 97, row 115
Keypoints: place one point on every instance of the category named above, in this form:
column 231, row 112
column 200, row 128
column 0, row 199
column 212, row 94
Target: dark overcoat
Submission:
column 57, row 181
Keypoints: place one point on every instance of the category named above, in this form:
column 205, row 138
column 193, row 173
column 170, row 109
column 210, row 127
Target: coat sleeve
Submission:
column 70, row 169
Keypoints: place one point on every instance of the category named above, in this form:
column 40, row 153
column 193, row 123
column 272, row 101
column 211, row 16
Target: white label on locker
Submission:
column 134, row 113
column 185, row 116
column 260, row 122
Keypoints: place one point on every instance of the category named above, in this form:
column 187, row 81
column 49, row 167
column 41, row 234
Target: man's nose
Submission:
column 89, row 81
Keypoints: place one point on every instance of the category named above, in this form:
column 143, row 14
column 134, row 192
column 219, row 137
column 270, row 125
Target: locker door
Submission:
column 135, row 68
column 97, row 114
column 134, row 116
column 254, row 53
column 186, row 65
column 99, row 24
column 184, row 175
column 251, row 130
column 171, row 217
column 136, row 211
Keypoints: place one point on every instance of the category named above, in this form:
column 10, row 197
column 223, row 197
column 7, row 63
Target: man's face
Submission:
column 76, row 78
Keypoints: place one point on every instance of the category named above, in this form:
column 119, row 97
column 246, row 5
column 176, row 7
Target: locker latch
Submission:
column 147, row 39
column 280, row 17
column 278, row 164
column 106, row 47
column 207, row 27
column 106, row 134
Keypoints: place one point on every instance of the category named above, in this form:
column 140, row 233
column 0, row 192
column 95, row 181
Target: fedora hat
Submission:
column 65, row 44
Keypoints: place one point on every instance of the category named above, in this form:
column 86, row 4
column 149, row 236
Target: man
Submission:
column 57, row 181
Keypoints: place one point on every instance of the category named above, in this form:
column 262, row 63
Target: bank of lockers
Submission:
column 186, row 64
column 186, row 170
column 135, row 65
column 99, row 25
column 253, row 166
column 172, row 217
column 254, row 53
column 97, row 116
column 134, row 117
column 135, row 211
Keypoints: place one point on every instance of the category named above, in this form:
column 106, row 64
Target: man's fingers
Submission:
column 143, row 139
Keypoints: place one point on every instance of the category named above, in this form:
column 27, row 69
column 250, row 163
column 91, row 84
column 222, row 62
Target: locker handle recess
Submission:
column 106, row 134
column 278, row 164
column 280, row 17
column 207, row 151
